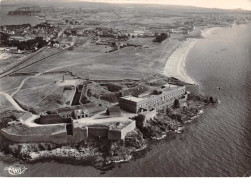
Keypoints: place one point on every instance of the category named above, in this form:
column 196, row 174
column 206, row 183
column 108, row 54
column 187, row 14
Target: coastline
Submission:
column 176, row 63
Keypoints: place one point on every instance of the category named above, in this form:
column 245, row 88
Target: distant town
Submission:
column 65, row 27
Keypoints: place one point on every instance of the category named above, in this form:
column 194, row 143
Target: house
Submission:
column 80, row 113
column 75, row 112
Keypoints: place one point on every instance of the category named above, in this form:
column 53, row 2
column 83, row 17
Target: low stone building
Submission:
column 75, row 112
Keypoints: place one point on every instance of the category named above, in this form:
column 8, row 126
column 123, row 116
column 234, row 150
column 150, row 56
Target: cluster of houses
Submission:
column 28, row 11
column 26, row 31
column 45, row 33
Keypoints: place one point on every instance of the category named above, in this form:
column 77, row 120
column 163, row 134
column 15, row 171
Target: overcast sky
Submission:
column 224, row 4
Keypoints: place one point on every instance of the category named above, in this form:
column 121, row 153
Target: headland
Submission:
column 92, row 93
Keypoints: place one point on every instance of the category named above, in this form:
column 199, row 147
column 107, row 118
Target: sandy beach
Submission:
column 176, row 63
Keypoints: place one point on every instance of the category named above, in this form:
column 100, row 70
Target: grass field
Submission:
column 44, row 97
column 8, row 83
column 5, row 104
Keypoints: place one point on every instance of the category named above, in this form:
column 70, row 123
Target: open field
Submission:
column 9, row 59
column 44, row 95
column 5, row 104
column 9, row 83
column 91, row 61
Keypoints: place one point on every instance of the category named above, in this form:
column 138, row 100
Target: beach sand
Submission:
column 176, row 63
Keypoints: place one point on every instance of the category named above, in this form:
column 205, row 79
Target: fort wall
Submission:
column 127, row 129
column 98, row 131
column 79, row 134
column 153, row 102
column 57, row 138
column 118, row 134
column 150, row 115
column 53, row 119
column 127, row 105
column 144, row 117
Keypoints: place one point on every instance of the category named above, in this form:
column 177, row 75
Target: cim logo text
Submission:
column 15, row 170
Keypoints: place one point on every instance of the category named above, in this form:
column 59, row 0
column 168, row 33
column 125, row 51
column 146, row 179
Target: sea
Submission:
column 6, row 19
column 217, row 144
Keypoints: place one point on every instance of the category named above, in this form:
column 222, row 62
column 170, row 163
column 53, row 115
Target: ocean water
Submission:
column 218, row 143
column 11, row 20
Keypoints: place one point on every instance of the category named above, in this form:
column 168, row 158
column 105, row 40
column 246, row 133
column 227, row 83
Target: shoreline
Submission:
column 176, row 63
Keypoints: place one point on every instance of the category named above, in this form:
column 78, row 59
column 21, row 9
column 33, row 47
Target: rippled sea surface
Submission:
column 218, row 142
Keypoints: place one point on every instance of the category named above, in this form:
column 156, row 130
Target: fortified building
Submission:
column 156, row 99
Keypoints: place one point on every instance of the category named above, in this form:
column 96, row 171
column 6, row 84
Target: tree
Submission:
column 161, row 37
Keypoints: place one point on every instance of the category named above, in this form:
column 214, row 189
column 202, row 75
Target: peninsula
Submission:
column 97, row 90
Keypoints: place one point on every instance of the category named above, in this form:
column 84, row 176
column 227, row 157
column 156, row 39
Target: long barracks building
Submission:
column 150, row 101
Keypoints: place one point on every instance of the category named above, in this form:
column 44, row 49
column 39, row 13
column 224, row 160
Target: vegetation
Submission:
column 161, row 37
column 32, row 44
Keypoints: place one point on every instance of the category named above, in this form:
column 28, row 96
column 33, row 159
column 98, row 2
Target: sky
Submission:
column 223, row 4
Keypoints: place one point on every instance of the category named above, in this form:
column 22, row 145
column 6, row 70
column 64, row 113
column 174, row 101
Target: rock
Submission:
column 134, row 139
column 213, row 100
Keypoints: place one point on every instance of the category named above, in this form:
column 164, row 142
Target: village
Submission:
column 58, row 26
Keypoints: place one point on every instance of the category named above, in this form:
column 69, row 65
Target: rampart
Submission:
column 118, row 134
column 53, row 119
column 98, row 131
column 79, row 133
column 57, row 138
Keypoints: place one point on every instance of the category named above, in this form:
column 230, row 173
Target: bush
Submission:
column 161, row 37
